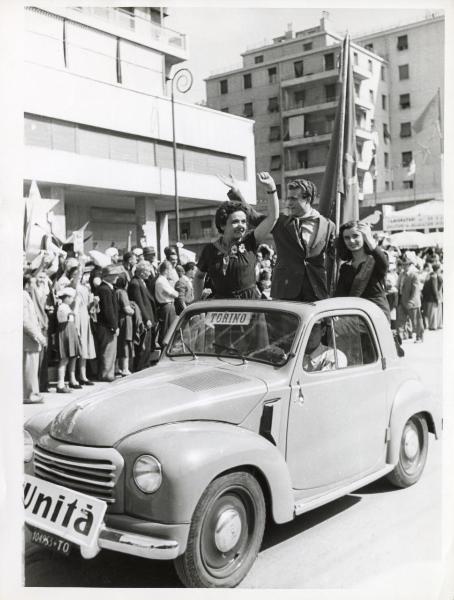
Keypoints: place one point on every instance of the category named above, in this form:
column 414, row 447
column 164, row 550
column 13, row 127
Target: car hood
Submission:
column 166, row 393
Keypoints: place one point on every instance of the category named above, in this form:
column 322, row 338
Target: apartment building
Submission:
column 288, row 87
column 98, row 129
column 415, row 56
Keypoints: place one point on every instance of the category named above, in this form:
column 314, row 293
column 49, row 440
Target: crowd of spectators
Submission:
column 98, row 321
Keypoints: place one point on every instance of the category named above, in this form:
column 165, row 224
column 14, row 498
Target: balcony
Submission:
column 309, row 138
column 362, row 133
column 364, row 104
column 299, row 172
column 330, row 75
column 132, row 27
column 294, row 109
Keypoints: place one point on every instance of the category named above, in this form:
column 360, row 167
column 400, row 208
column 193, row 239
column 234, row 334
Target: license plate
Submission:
column 71, row 515
column 50, row 541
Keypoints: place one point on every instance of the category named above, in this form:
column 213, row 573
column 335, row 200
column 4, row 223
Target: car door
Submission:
column 337, row 415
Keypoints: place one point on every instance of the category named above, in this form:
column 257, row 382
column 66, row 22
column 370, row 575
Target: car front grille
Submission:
column 96, row 476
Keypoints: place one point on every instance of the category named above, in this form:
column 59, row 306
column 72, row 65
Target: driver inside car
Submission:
column 318, row 356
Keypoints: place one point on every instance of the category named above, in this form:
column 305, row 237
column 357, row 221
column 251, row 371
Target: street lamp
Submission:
column 183, row 80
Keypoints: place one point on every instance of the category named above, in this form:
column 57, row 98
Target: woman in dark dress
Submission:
column 363, row 273
column 230, row 261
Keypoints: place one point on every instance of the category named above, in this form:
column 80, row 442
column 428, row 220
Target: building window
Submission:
column 185, row 229
column 402, row 42
column 258, row 59
column 248, row 110
column 272, row 75
column 224, row 86
column 371, row 96
column 307, row 47
column 383, row 101
column 372, row 124
column 386, row 186
column 355, row 58
column 329, row 124
column 407, row 157
column 404, row 72
column 370, row 66
column 247, row 81
column 330, row 92
column 298, row 67
column 386, row 135
column 369, row 47
column 226, row 109
column 386, row 160
column 408, row 184
column 329, row 61
column 207, row 228
column 404, row 101
column 405, row 130
column 299, row 99
column 275, row 133
column 382, row 73
column 276, row 162
column 273, row 104
column 301, row 159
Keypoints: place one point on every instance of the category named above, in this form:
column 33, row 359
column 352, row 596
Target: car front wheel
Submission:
column 225, row 534
column 413, row 453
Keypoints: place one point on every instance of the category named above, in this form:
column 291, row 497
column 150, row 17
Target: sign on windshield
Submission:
column 259, row 335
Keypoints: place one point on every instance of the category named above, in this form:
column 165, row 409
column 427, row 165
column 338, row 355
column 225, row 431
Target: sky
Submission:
column 217, row 36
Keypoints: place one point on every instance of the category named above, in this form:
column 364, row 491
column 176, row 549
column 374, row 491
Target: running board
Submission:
column 305, row 505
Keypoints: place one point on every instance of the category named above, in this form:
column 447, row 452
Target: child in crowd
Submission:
column 68, row 341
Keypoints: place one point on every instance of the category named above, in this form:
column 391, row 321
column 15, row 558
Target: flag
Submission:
column 339, row 192
column 411, row 168
column 430, row 116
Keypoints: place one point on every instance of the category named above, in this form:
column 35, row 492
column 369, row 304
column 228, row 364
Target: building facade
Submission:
column 415, row 58
column 98, row 129
column 288, row 87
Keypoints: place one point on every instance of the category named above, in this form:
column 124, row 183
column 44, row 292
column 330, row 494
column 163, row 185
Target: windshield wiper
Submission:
column 236, row 353
column 187, row 346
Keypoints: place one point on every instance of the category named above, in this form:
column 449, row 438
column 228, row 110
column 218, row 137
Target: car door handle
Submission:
column 300, row 396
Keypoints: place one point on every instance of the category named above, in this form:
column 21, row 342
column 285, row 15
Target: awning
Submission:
column 428, row 215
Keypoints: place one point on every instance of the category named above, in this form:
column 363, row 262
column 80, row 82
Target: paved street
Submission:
column 374, row 537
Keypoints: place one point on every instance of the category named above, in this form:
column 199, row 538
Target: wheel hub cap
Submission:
column 411, row 444
column 228, row 530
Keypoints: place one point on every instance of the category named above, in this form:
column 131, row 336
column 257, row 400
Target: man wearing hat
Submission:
column 140, row 294
column 149, row 254
column 107, row 326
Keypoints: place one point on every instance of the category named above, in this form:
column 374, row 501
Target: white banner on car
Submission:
column 68, row 514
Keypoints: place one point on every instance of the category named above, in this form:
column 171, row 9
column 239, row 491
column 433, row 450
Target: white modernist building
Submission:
column 98, row 129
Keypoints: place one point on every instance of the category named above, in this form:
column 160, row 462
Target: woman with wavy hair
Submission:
column 230, row 261
column 363, row 273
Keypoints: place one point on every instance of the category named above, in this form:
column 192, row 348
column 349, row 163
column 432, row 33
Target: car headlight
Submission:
column 28, row 446
column 147, row 473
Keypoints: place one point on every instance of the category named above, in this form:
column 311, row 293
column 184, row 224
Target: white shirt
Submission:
column 164, row 291
column 323, row 358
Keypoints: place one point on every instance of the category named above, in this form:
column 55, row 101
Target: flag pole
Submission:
column 345, row 58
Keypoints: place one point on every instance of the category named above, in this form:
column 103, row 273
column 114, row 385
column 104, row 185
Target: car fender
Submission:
column 411, row 398
column 194, row 453
column 39, row 423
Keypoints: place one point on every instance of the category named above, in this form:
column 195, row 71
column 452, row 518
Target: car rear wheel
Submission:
column 225, row 534
column 413, row 453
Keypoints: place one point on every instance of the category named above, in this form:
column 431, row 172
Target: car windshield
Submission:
column 259, row 335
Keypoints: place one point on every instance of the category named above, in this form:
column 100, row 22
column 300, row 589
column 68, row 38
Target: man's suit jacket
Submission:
column 140, row 294
column 108, row 307
column 295, row 259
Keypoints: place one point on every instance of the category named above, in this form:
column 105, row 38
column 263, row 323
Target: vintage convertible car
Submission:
column 256, row 409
